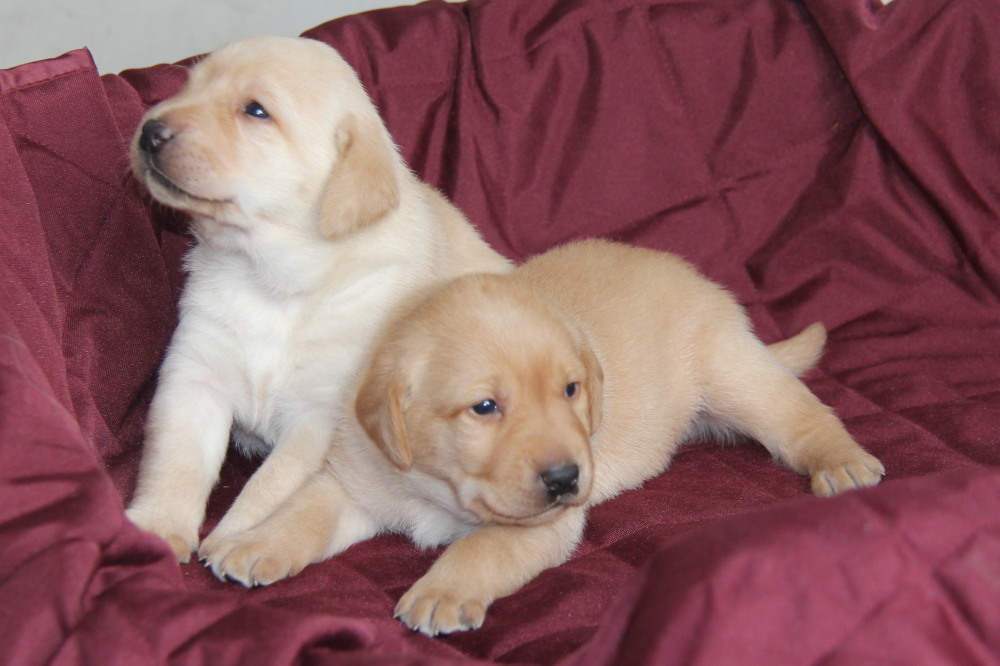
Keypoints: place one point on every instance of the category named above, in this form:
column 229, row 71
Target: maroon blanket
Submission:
column 830, row 160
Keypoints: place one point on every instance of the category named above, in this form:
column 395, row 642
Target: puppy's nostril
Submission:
column 154, row 134
column 561, row 479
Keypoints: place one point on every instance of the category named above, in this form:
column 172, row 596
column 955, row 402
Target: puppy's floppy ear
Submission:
column 595, row 385
column 363, row 185
column 380, row 409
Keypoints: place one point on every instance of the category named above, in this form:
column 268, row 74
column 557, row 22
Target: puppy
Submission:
column 309, row 231
column 501, row 407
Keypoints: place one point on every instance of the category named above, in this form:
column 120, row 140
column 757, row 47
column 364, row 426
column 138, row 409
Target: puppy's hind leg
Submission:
column 750, row 390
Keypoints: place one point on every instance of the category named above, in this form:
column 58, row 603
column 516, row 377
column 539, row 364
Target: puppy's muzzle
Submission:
column 154, row 136
column 561, row 479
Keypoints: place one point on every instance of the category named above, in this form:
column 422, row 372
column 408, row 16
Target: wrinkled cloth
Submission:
column 832, row 160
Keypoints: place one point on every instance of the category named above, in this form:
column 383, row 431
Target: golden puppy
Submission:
column 310, row 230
column 505, row 405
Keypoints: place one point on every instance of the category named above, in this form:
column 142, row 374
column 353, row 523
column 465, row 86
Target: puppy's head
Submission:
column 490, row 387
column 271, row 130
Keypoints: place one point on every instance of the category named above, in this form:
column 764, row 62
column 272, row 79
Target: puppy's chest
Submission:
column 279, row 356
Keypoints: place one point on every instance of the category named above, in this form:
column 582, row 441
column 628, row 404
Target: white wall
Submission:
column 136, row 33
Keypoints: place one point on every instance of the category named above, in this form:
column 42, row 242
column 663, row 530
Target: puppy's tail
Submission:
column 800, row 352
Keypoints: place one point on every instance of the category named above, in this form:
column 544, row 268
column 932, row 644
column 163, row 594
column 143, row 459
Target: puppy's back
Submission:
column 617, row 291
column 652, row 320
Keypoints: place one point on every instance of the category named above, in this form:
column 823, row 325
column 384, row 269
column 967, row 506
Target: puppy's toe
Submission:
column 436, row 611
column 249, row 559
column 215, row 544
column 862, row 471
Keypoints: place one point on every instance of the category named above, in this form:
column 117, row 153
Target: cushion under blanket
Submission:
column 832, row 160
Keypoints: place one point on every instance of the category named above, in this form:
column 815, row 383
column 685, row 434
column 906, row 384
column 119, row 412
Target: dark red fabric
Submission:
column 827, row 160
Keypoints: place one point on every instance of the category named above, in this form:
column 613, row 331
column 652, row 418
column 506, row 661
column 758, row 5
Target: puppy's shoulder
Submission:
column 468, row 252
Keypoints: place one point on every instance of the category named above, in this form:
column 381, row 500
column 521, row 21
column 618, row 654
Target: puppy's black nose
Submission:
column 561, row 479
column 153, row 136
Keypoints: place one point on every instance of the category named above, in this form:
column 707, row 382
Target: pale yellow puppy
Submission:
column 500, row 407
column 310, row 231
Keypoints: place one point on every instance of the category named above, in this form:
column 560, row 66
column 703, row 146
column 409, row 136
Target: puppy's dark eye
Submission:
column 571, row 389
column 486, row 407
column 255, row 110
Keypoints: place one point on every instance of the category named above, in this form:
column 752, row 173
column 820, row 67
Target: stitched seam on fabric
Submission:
column 669, row 71
column 49, row 285
column 41, row 384
column 930, row 572
column 114, row 204
column 719, row 188
column 955, row 595
column 54, row 151
column 42, row 82
column 883, row 411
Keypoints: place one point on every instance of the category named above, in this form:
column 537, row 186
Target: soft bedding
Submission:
column 825, row 159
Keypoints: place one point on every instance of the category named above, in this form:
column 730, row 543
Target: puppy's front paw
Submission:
column 862, row 471
column 251, row 558
column 434, row 610
column 183, row 539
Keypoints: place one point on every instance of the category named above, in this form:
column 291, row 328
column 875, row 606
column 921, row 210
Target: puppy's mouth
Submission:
column 163, row 180
column 547, row 513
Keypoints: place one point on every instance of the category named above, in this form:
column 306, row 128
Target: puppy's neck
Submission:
column 287, row 263
column 279, row 261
